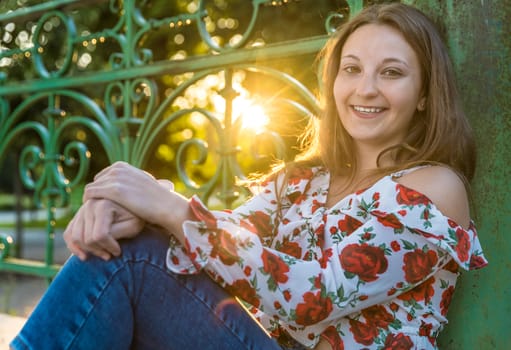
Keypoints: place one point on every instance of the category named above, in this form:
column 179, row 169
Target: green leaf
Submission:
column 409, row 245
column 272, row 285
column 349, row 275
column 340, row 293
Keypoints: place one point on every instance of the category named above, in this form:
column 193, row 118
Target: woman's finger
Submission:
column 68, row 239
column 96, row 240
column 102, row 230
column 169, row 185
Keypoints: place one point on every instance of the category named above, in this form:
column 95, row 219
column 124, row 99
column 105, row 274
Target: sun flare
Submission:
column 253, row 115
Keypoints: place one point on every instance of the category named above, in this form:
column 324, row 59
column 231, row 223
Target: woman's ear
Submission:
column 421, row 106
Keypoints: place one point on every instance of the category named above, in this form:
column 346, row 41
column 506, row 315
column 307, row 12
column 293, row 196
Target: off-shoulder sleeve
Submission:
column 417, row 213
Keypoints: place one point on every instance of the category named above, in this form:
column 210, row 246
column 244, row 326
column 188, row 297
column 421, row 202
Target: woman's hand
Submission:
column 154, row 201
column 97, row 226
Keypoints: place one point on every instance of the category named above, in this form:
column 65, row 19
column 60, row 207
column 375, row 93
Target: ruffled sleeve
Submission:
column 218, row 234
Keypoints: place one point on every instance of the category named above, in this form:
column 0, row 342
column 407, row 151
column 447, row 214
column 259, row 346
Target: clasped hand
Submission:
column 116, row 205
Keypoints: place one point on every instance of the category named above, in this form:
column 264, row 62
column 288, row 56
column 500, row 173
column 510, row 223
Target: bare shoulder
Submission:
column 444, row 188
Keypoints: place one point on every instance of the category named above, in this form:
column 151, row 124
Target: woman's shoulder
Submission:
column 443, row 186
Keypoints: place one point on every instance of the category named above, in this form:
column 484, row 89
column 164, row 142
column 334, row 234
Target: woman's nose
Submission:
column 367, row 85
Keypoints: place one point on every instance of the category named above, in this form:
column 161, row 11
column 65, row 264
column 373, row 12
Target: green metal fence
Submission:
column 172, row 89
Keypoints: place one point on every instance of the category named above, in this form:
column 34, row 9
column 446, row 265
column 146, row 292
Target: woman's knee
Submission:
column 149, row 244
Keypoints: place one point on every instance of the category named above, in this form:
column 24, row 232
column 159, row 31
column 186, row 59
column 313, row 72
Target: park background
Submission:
column 205, row 93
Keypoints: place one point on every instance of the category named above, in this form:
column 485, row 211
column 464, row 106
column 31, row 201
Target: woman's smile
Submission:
column 367, row 111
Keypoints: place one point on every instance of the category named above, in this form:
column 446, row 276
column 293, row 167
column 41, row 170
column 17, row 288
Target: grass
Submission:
column 8, row 201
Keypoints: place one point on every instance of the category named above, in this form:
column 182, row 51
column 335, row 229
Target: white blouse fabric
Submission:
column 375, row 271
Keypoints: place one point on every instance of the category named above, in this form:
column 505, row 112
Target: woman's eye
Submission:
column 391, row 72
column 351, row 69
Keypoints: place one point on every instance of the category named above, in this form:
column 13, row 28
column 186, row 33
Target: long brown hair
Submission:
column 439, row 134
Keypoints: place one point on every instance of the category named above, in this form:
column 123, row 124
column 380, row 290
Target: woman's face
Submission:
column 378, row 87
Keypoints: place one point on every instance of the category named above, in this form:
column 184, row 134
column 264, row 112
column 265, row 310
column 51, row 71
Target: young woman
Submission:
column 355, row 245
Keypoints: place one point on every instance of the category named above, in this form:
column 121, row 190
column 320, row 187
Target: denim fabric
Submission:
column 134, row 302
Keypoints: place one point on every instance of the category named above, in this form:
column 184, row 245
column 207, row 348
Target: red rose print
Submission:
column 224, row 247
column 320, row 235
column 332, row 336
column 317, row 282
column 452, row 266
column 247, row 270
column 476, row 262
column 407, row 196
column 391, row 291
column 291, row 248
column 299, row 174
column 296, row 197
column 262, row 223
column 188, row 250
column 446, row 300
column 363, row 260
column 175, row 260
column 315, row 205
column 273, row 265
column 267, row 180
column 428, row 235
column 419, row 264
column 243, row 289
column 463, row 246
column 202, row 214
column 423, row 291
column 348, row 225
column 395, row 246
column 248, row 226
column 308, row 256
column 362, row 332
column 314, row 309
column 377, row 316
column 398, row 342
column 425, row 329
column 387, row 220
column 326, row 254
column 287, row 295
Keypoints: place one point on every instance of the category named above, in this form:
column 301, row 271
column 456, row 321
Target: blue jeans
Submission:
column 134, row 302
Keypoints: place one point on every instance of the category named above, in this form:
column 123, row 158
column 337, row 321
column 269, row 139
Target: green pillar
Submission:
column 478, row 35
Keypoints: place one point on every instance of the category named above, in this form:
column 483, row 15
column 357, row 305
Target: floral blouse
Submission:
column 375, row 271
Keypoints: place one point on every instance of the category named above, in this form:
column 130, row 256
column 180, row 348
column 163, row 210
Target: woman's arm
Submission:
column 120, row 201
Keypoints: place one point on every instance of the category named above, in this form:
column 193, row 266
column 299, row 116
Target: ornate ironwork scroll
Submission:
column 60, row 106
